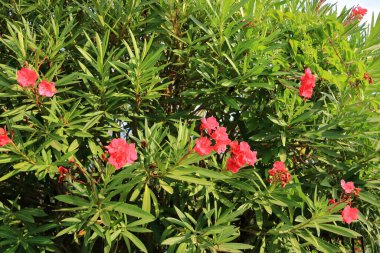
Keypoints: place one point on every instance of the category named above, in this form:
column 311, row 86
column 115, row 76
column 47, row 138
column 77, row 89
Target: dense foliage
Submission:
column 115, row 77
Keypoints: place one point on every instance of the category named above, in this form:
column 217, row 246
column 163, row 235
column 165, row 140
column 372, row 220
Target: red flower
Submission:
column 347, row 187
column 209, row 124
column 232, row 165
column 104, row 156
column 62, row 171
column 368, row 77
column 26, row 77
column 221, row 139
column 332, row 201
column 359, row 12
column 349, row 214
column 307, row 84
column 4, row 139
column 47, row 89
column 121, row 153
column 356, row 192
column 272, row 172
column 203, row 146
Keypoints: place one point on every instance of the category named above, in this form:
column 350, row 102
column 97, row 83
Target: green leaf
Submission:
column 146, row 205
column 189, row 179
column 129, row 209
column 136, row 241
column 233, row 247
column 370, row 198
column 173, row 240
column 73, row 200
column 339, row 230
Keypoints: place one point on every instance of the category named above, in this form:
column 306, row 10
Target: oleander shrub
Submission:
column 188, row 126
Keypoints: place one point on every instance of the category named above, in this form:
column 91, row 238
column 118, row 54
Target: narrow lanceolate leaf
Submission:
column 339, row 230
column 189, row 179
column 129, row 209
column 370, row 198
column 136, row 241
column 146, row 206
column 173, row 240
column 233, row 247
column 73, row 200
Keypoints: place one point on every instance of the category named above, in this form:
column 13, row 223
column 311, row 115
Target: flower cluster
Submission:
column 217, row 140
column 4, row 139
column 203, row 145
column 241, row 155
column 121, row 153
column 279, row 173
column 349, row 214
column 27, row 77
column 307, row 84
column 62, row 173
column 349, row 188
column 368, row 77
column 358, row 13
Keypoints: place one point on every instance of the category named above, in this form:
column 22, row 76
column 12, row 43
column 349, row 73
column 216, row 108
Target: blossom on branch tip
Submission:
column 121, row 153
column 47, row 89
column 241, row 155
column 232, row 165
column 203, row 146
column 279, row 173
column 221, row 139
column 4, row 139
column 209, row 124
column 307, row 84
column 26, row 77
column 62, row 173
column 358, row 13
column 349, row 214
column 368, row 77
column 347, row 187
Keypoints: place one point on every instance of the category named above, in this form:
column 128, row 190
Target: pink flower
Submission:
column 121, row 153
column 221, row 139
column 347, row 187
column 220, row 133
column 349, row 214
column 26, row 77
column 244, row 154
column 241, row 155
column 279, row 173
column 250, row 157
column 47, row 89
column 4, row 139
column 209, row 124
column 359, row 12
column 307, row 84
column 280, row 166
column 203, row 146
